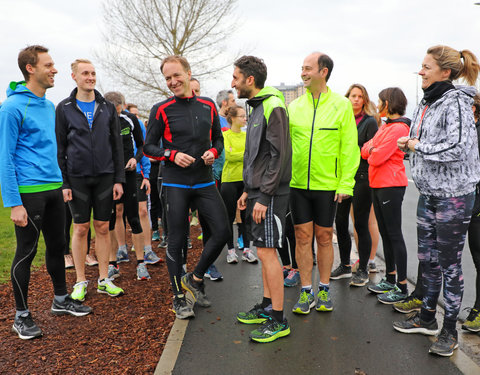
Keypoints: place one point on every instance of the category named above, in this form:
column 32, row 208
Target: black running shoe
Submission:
column 341, row 272
column 25, row 327
column 445, row 345
column 70, row 306
column 197, row 290
column 414, row 324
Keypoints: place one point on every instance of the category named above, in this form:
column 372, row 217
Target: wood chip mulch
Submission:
column 123, row 335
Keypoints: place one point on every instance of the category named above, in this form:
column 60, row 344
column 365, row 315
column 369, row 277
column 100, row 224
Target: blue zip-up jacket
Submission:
column 144, row 166
column 28, row 147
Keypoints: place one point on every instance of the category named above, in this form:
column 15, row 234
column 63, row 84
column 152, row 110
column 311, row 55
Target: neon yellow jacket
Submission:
column 324, row 141
column 234, row 146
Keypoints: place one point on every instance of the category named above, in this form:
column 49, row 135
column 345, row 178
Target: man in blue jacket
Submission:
column 31, row 184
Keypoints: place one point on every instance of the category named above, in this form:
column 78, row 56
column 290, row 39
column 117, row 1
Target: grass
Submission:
column 8, row 245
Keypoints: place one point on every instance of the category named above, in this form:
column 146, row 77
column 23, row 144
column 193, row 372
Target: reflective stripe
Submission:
column 196, row 186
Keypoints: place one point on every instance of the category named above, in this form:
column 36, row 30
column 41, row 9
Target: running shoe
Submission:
column 257, row 315
column 293, row 278
column 382, row 287
column 156, row 235
column 285, row 271
column 324, row 301
column 200, row 237
column 213, row 274
column 232, row 256
column 372, row 267
column 240, row 244
column 122, row 256
column 108, row 287
column 70, row 306
column 196, row 290
column 249, row 256
column 79, row 291
column 25, row 327
column 163, row 243
column 182, row 308
column 113, row 271
column 305, row 303
column 149, row 257
column 410, row 304
column 472, row 323
column 391, row 297
column 413, row 324
column 341, row 272
column 445, row 344
column 68, row 261
column 189, row 243
column 142, row 272
column 360, row 278
column 90, row 260
column 270, row 331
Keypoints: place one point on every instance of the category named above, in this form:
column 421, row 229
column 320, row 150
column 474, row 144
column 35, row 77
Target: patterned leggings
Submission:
column 441, row 227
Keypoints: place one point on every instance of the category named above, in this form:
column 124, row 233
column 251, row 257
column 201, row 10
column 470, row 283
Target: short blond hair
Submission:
column 74, row 65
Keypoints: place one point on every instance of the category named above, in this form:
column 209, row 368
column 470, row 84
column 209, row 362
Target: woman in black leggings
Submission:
column 232, row 179
column 367, row 127
column 388, row 181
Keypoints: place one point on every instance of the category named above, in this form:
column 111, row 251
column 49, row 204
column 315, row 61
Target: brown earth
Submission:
column 123, row 335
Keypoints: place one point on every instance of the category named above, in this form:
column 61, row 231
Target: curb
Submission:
column 172, row 348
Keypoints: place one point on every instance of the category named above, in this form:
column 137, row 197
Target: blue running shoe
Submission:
column 155, row 235
column 122, row 256
column 213, row 274
column 292, row 279
column 240, row 242
column 382, row 287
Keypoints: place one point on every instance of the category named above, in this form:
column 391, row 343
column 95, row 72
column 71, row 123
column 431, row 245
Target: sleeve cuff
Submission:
column 264, row 199
column 214, row 152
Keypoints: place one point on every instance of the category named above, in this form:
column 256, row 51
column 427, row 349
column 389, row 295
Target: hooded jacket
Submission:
column 267, row 161
column 85, row 151
column 385, row 159
column 446, row 160
column 28, row 148
column 325, row 143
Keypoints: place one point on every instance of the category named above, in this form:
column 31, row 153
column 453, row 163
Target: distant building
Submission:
column 291, row 92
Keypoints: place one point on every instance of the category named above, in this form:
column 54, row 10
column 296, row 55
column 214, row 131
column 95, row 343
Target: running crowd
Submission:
column 285, row 177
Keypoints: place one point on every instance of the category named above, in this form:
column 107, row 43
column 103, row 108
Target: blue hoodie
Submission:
column 144, row 166
column 28, row 146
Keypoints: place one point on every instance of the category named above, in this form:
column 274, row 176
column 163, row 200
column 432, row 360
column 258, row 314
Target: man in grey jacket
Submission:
column 267, row 170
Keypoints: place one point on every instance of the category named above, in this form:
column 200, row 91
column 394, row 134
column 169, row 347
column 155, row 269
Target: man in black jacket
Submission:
column 91, row 160
column 184, row 131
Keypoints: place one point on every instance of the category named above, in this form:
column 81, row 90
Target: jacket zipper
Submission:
column 311, row 138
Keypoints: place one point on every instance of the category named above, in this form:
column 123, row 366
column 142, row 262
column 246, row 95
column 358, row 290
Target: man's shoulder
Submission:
column 207, row 101
column 163, row 104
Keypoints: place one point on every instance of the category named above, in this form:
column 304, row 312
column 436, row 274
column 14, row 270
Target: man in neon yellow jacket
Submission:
column 325, row 159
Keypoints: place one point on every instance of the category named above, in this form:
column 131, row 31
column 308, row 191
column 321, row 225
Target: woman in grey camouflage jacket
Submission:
column 445, row 166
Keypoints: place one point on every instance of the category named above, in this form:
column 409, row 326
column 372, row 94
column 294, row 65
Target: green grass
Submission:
column 8, row 244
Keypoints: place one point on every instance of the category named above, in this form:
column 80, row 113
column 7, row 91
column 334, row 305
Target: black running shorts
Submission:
column 141, row 193
column 313, row 205
column 91, row 193
column 269, row 233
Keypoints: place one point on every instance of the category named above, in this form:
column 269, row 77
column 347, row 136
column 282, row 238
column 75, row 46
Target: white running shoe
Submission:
column 249, row 256
column 232, row 256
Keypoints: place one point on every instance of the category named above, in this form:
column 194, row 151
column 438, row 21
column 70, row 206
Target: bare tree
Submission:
column 140, row 33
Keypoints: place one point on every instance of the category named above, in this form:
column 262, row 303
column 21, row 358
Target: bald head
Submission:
column 323, row 61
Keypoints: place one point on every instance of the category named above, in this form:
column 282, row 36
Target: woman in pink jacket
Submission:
column 388, row 180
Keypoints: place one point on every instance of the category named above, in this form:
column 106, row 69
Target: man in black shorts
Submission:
column 91, row 159
column 326, row 158
column 267, row 168
column 31, row 186
column 184, row 131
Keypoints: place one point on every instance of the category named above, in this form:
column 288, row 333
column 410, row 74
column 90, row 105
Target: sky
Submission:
column 378, row 43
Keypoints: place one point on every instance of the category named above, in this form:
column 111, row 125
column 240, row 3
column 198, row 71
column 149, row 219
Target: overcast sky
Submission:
column 378, row 43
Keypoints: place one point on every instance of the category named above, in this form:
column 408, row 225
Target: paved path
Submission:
column 357, row 335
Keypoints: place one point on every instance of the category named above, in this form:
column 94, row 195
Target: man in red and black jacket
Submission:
column 184, row 132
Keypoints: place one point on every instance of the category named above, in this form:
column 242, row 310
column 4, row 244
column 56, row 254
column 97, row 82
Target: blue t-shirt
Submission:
column 88, row 108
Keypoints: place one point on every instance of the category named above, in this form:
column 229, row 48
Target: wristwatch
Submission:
column 167, row 153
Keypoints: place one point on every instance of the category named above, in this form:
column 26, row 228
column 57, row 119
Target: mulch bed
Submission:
column 123, row 335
